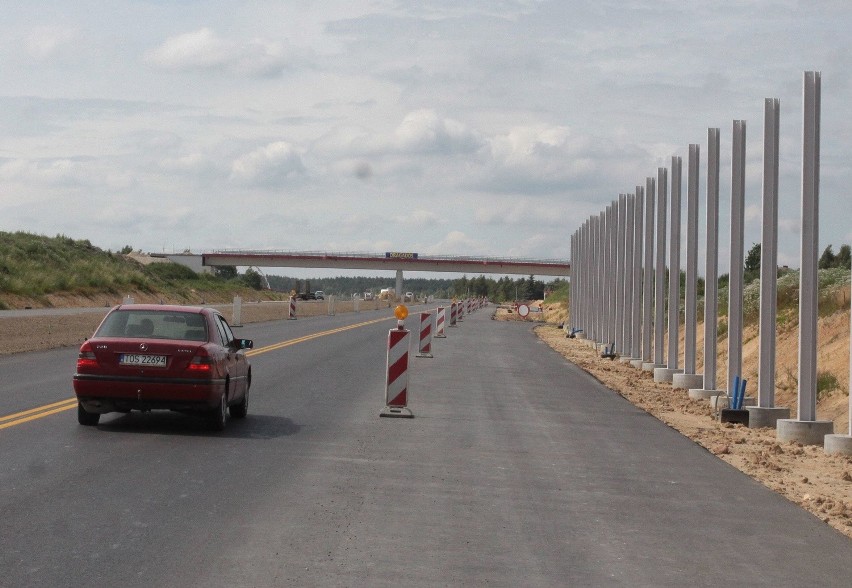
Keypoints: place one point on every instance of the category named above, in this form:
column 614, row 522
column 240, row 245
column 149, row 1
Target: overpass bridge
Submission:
column 394, row 261
column 389, row 261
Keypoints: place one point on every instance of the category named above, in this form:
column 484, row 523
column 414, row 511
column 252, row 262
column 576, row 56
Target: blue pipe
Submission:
column 732, row 394
column 742, row 394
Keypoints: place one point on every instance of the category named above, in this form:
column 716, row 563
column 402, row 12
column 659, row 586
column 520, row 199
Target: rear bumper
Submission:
column 104, row 394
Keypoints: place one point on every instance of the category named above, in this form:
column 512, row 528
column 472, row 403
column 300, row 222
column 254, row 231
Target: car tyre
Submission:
column 219, row 415
column 86, row 418
column 239, row 411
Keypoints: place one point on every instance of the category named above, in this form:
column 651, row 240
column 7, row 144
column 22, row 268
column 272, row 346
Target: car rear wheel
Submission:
column 219, row 415
column 239, row 411
column 89, row 419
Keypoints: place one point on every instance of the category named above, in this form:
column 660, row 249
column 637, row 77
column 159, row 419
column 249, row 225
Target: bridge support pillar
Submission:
column 399, row 292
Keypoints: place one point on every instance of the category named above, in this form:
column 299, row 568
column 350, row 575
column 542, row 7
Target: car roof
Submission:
column 167, row 308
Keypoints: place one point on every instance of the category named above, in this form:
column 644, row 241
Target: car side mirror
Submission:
column 245, row 343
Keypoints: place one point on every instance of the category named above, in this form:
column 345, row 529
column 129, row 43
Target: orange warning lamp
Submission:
column 400, row 312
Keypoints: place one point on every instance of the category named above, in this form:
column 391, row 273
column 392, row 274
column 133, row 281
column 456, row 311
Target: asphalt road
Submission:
column 517, row 470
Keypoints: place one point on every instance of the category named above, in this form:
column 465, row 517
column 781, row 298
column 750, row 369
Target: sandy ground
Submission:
column 804, row 475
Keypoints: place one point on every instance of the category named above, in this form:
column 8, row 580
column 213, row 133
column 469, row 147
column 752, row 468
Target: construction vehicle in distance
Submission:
column 304, row 294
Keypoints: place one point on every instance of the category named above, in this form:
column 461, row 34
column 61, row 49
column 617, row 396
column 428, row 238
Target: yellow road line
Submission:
column 32, row 414
column 36, row 413
column 290, row 342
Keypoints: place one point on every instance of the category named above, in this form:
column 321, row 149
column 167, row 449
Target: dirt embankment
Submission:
column 806, row 476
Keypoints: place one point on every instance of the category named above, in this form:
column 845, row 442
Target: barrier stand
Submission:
column 454, row 311
column 292, row 314
column 396, row 389
column 425, row 349
column 460, row 312
column 440, row 322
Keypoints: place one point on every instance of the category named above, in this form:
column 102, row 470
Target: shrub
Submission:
column 170, row 271
column 826, row 384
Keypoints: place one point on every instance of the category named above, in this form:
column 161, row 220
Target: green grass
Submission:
column 559, row 294
column 34, row 266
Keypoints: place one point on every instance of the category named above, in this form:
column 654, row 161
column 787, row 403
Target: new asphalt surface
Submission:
column 518, row 469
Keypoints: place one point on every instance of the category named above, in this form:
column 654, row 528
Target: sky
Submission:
column 480, row 127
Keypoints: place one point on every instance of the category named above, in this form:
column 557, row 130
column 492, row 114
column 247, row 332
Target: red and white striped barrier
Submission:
column 460, row 312
column 454, row 314
column 425, row 348
column 440, row 322
column 292, row 313
column 396, row 392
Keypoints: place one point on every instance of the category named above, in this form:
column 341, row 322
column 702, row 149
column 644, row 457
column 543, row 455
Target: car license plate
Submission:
column 142, row 360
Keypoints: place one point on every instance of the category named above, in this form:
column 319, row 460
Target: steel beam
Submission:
column 735, row 284
column 674, row 266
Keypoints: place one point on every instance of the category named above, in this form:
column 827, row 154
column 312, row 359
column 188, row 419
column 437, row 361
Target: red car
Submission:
column 151, row 356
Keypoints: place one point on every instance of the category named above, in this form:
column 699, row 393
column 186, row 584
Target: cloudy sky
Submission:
column 482, row 127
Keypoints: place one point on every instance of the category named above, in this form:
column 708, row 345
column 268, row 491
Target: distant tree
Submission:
column 752, row 260
column 827, row 259
column 844, row 257
column 253, row 279
column 126, row 249
column 752, row 264
column 226, row 272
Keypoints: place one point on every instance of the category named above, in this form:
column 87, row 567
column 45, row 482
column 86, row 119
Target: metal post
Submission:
column 601, row 285
column 627, row 302
column 638, row 226
column 735, row 283
column 765, row 414
column 647, row 284
column 660, row 285
column 711, row 269
column 619, row 273
column 588, row 290
column 808, row 430
column 674, row 266
column 611, row 225
column 689, row 379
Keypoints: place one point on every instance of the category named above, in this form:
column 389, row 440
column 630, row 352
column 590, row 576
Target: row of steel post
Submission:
column 616, row 264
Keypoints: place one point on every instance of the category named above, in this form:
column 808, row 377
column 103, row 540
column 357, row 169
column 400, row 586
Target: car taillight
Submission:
column 200, row 364
column 86, row 358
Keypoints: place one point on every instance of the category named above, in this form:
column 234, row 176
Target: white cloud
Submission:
column 270, row 166
column 67, row 173
column 458, row 243
column 46, row 41
column 423, row 131
column 540, row 159
column 204, row 49
column 419, row 218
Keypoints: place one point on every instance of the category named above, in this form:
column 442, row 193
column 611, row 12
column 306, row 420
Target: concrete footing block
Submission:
column 804, row 432
column 636, row 362
column 737, row 416
column 702, row 394
column 650, row 366
column 625, row 359
column 721, row 401
column 762, row 416
column 687, row 381
column 838, row 444
column 665, row 374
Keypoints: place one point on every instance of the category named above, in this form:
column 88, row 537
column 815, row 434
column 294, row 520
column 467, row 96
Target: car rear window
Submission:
column 154, row 324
